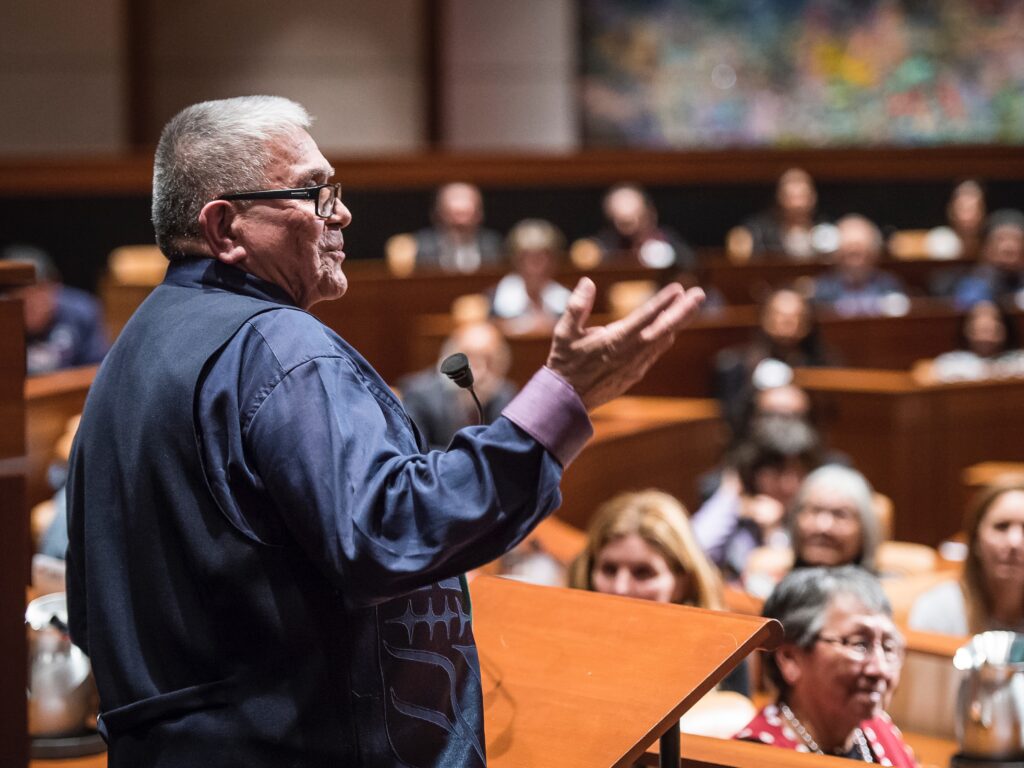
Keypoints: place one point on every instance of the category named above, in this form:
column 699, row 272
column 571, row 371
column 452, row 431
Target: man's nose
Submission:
column 1015, row 535
column 341, row 215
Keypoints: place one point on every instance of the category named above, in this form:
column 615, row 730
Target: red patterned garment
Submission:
column 883, row 738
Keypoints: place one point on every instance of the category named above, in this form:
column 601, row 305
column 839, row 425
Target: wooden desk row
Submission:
column 638, row 443
column 913, row 442
column 378, row 314
column 643, row 443
column 50, row 401
column 687, row 370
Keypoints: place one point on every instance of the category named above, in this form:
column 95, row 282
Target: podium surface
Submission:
column 575, row 678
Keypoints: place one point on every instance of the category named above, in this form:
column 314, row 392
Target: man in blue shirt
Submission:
column 263, row 567
column 856, row 286
column 63, row 325
column 999, row 276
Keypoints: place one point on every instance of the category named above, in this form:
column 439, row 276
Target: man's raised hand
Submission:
column 602, row 362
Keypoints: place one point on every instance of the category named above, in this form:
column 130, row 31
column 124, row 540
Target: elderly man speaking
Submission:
column 263, row 567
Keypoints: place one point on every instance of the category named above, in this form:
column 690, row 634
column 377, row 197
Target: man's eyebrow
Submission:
column 316, row 175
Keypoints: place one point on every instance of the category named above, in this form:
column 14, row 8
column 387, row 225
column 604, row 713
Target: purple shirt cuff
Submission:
column 549, row 410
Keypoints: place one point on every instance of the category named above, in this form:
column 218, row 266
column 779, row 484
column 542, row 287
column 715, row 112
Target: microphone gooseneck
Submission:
column 456, row 367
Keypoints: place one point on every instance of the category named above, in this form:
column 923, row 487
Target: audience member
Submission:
column 990, row 592
column 457, row 240
column 748, row 509
column 833, row 522
column 634, row 236
column 50, row 521
column 1000, row 275
column 641, row 545
column 836, row 669
column 856, row 286
column 791, row 228
column 63, row 325
column 987, row 348
column 529, row 298
column 787, row 333
column 965, row 217
column 438, row 407
column 773, row 398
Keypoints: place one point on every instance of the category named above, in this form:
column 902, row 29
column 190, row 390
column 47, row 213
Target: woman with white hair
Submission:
column 832, row 522
column 835, row 670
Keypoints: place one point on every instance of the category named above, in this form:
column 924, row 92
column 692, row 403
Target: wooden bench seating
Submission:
column 50, row 401
column 914, row 441
column 379, row 315
column 687, row 370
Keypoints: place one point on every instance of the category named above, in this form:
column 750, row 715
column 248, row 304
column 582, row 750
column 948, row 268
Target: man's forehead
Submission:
column 297, row 155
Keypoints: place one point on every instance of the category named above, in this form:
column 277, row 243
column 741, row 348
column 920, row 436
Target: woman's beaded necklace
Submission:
column 858, row 735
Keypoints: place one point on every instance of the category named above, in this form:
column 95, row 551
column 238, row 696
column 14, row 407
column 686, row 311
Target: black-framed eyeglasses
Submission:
column 860, row 648
column 324, row 195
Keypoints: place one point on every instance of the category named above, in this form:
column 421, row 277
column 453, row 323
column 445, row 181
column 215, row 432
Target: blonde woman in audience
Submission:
column 640, row 545
column 990, row 593
column 835, row 670
column 529, row 298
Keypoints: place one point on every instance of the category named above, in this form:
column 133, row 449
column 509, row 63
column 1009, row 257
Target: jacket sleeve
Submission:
column 379, row 519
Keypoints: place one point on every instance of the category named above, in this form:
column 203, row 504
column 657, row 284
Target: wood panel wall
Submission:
column 132, row 173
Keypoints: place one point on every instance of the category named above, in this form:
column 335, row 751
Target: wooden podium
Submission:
column 574, row 678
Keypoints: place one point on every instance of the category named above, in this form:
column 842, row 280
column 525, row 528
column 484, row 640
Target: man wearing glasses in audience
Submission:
column 263, row 567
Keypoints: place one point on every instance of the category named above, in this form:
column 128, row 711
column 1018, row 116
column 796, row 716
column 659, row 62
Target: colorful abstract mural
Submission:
column 802, row 73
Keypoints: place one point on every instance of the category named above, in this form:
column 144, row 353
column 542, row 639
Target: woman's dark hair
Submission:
column 810, row 350
column 773, row 441
column 799, row 602
column 1010, row 340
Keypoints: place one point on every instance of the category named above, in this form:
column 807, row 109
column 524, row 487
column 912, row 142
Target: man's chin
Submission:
column 336, row 288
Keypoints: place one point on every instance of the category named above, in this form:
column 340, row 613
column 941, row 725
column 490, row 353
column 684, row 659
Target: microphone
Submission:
column 456, row 367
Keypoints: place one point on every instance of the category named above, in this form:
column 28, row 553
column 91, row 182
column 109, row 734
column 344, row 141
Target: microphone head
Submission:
column 456, row 368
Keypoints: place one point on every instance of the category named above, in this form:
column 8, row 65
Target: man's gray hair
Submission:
column 852, row 485
column 801, row 600
column 877, row 240
column 210, row 149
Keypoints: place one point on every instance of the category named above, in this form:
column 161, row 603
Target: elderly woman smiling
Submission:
column 835, row 670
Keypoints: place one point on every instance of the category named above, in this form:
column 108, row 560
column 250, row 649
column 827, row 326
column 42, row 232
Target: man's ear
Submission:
column 215, row 225
column 787, row 658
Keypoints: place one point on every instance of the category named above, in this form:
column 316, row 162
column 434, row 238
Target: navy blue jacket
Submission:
column 262, row 566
